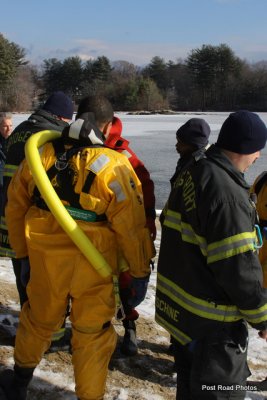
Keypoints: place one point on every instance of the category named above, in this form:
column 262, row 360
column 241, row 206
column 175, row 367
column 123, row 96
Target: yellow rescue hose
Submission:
column 56, row 207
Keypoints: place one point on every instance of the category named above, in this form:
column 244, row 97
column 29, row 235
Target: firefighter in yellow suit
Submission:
column 99, row 186
column 260, row 189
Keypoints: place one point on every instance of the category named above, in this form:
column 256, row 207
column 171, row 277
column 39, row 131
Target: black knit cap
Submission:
column 195, row 131
column 59, row 104
column 243, row 132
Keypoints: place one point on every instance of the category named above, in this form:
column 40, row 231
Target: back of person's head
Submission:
column 99, row 106
column 194, row 132
column 243, row 132
column 60, row 105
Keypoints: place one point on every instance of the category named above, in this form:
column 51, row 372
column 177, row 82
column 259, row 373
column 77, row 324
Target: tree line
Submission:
column 210, row 78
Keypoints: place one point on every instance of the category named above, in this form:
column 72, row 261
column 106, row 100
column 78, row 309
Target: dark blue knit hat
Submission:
column 59, row 104
column 243, row 132
column 195, row 131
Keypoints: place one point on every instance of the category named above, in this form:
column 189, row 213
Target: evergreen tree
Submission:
column 211, row 67
column 11, row 57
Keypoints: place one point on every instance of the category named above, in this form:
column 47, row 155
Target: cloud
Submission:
column 136, row 53
column 141, row 53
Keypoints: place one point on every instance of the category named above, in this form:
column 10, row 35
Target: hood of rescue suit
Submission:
column 84, row 130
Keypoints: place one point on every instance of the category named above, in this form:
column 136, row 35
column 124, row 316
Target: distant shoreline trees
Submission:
column 211, row 78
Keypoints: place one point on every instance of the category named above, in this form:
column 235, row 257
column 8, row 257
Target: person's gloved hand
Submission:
column 132, row 293
column 139, row 288
column 25, row 271
column 151, row 225
column 126, row 293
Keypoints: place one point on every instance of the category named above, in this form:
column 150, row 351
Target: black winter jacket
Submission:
column 208, row 271
column 38, row 121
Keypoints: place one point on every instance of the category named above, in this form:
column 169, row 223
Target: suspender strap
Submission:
column 64, row 188
column 88, row 182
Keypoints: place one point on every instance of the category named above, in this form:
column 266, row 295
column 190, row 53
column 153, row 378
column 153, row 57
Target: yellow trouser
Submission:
column 56, row 277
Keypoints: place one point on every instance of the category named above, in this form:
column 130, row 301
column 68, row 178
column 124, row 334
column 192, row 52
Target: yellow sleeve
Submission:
column 126, row 214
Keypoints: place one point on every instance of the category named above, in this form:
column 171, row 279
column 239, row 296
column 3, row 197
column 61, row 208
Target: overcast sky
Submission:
column 134, row 31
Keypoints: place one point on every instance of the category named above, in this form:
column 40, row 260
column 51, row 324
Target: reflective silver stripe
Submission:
column 117, row 189
column 99, row 163
column 231, row 246
column 93, row 137
column 126, row 153
column 5, row 252
column 75, row 128
column 173, row 220
column 175, row 332
column 200, row 307
column 9, row 170
column 256, row 316
column 215, row 251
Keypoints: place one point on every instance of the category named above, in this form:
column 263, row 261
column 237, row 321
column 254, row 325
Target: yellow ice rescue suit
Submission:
column 101, row 191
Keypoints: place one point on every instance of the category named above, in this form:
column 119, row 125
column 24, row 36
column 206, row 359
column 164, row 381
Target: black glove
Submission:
column 126, row 295
column 25, row 271
column 139, row 288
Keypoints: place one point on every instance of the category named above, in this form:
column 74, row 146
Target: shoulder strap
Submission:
column 60, row 169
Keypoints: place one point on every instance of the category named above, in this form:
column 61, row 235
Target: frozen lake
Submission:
column 152, row 137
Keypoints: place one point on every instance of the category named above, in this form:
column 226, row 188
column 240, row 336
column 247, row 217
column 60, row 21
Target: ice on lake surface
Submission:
column 152, row 137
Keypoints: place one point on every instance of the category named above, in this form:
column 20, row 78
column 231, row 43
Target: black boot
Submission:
column 14, row 383
column 129, row 344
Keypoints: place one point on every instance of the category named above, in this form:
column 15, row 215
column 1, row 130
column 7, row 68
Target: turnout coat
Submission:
column 209, row 274
column 38, row 121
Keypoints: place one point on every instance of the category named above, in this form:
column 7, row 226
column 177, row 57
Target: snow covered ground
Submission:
column 47, row 372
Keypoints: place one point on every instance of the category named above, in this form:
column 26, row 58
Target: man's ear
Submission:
column 106, row 129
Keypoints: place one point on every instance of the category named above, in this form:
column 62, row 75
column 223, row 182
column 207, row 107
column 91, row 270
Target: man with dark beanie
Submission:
column 210, row 283
column 193, row 136
column 56, row 113
column 192, row 140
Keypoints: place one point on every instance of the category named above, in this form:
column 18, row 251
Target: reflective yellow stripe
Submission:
column 59, row 334
column 10, row 169
column 173, row 220
column 3, row 223
column 5, row 252
column 231, row 246
column 256, row 316
column 176, row 333
column 215, row 251
column 197, row 306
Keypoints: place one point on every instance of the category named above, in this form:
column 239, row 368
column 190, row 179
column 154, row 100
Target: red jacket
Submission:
column 116, row 142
